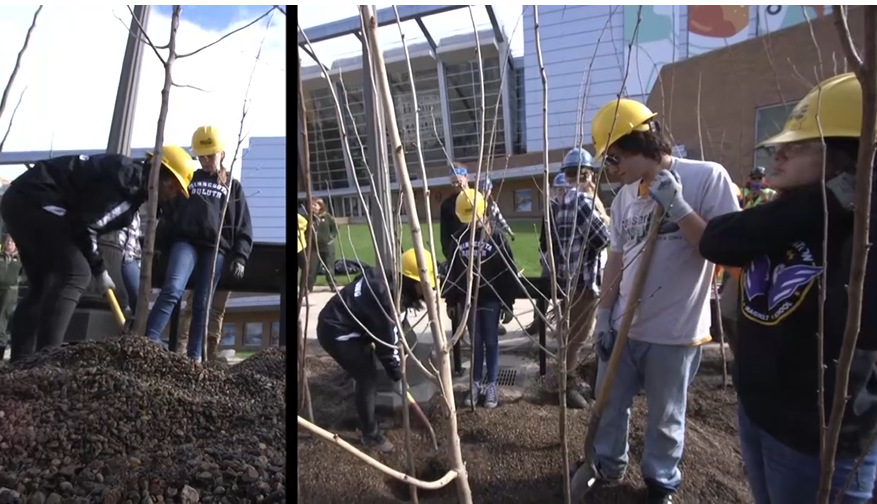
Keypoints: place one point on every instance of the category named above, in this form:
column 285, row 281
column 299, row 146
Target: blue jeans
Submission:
column 131, row 279
column 778, row 474
column 665, row 372
column 484, row 330
column 183, row 260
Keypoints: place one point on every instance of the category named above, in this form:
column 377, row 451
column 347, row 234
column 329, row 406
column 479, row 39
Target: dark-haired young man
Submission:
column 663, row 352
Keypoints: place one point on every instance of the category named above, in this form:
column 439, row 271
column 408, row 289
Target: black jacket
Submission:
column 497, row 277
column 95, row 194
column 197, row 220
column 448, row 223
column 362, row 307
column 779, row 246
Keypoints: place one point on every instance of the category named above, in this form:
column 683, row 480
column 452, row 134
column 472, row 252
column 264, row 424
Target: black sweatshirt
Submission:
column 197, row 220
column 362, row 307
column 779, row 247
column 448, row 223
column 496, row 278
column 95, row 194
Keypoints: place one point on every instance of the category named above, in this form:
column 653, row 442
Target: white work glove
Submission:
column 666, row 190
column 604, row 335
column 237, row 268
column 104, row 282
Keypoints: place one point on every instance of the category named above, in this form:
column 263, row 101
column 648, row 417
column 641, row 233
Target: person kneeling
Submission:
column 357, row 324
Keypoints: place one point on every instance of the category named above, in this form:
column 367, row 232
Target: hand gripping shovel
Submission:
column 585, row 475
column 117, row 310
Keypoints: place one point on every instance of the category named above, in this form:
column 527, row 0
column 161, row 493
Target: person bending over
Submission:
column 55, row 212
column 357, row 325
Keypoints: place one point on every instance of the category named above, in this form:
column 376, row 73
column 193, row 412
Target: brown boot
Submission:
column 212, row 349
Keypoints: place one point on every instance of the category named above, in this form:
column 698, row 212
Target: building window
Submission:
column 325, row 147
column 428, row 117
column 768, row 122
column 253, row 334
column 275, row 333
column 523, row 200
column 353, row 111
column 464, row 99
column 229, row 335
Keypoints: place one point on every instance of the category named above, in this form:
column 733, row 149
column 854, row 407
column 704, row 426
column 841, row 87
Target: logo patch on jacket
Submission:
column 770, row 292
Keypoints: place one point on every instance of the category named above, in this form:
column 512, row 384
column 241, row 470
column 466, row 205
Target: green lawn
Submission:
column 354, row 241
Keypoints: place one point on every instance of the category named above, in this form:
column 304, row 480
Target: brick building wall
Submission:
column 733, row 83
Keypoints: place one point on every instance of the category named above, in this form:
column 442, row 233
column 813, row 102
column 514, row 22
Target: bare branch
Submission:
column 846, row 40
column 189, row 86
column 12, row 119
column 18, row 59
column 227, row 35
column 149, row 42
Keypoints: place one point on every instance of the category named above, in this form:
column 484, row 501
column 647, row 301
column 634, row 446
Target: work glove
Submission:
column 666, row 190
column 399, row 389
column 604, row 334
column 104, row 282
column 512, row 235
column 395, row 375
column 237, row 268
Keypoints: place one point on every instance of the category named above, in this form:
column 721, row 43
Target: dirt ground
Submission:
column 513, row 453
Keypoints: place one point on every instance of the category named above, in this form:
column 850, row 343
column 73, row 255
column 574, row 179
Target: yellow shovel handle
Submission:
column 114, row 306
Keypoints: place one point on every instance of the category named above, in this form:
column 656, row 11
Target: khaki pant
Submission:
column 214, row 322
column 581, row 309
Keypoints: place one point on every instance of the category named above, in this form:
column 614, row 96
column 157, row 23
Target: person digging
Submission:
column 578, row 234
column 663, row 348
column 356, row 325
column 781, row 292
column 55, row 212
column 10, row 274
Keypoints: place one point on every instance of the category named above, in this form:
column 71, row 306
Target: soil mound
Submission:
column 125, row 420
column 513, row 453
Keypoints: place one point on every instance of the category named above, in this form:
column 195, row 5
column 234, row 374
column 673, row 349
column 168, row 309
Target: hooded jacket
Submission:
column 362, row 307
column 497, row 277
column 448, row 223
column 779, row 245
column 94, row 194
column 199, row 219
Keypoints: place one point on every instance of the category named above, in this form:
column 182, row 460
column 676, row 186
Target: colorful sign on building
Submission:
column 772, row 18
column 716, row 27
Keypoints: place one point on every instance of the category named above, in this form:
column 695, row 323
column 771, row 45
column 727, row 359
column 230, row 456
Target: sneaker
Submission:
column 533, row 328
column 378, row 442
column 501, row 330
column 473, row 395
column 490, row 397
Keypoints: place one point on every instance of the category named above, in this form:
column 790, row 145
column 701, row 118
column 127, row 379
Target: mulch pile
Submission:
column 513, row 452
column 126, row 421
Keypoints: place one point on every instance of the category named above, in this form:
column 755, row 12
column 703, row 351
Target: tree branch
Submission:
column 12, row 119
column 846, row 40
column 149, row 42
column 229, row 34
column 18, row 59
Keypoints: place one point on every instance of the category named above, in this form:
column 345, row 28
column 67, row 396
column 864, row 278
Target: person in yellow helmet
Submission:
column 198, row 223
column 55, row 211
column 779, row 246
column 357, row 325
column 493, row 290
column 663, row 351
column 756, row 190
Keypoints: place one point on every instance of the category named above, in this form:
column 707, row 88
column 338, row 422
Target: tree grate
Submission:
column 507, row 377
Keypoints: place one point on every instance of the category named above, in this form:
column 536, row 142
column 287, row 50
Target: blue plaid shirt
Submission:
column 578, row 235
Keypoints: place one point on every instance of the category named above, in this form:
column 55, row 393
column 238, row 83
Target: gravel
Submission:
column 513, row 452
column 125, row 421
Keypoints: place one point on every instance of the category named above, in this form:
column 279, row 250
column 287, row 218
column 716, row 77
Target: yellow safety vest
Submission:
column 765, row 196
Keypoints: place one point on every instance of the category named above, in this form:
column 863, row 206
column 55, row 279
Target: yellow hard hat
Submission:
column 737, row 191
column 468, row 201
column 206, row 141
column 606, row 129
column 179, row 163
column 839, row 103
column 410, row 270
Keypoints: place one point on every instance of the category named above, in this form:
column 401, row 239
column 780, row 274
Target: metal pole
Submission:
column 382, row 222
column 129, row 82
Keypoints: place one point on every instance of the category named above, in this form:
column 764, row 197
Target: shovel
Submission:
column 116, row 309
column 585, row 475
